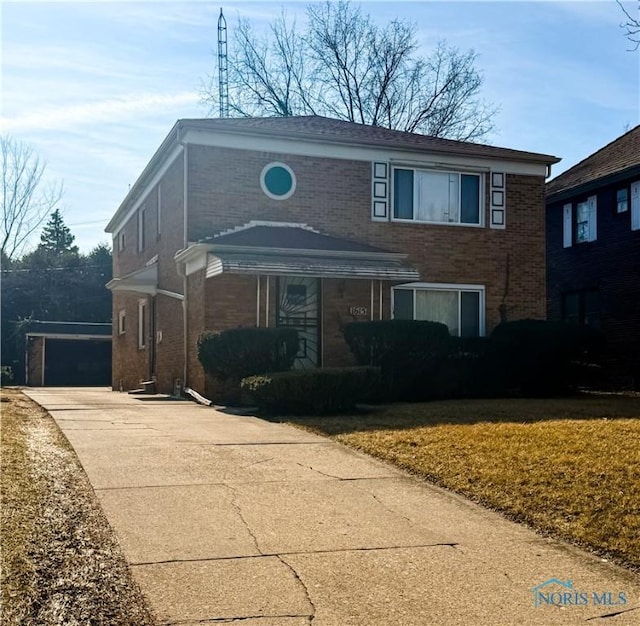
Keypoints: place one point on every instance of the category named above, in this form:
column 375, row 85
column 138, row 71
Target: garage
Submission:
column 68, row 354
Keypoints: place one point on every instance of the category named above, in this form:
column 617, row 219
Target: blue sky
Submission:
column 94, row 87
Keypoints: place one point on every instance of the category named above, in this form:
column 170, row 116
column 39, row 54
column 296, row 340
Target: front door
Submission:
column 299, row 308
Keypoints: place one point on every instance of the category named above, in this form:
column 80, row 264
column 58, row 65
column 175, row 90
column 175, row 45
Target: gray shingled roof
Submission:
column 620, row 155
column 328, row 129
column 288, row 237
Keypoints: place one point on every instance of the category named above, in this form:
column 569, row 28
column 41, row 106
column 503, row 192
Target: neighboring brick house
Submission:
column 312, row 223
column 593, row 247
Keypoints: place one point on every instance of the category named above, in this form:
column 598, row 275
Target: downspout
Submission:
column 185, row 305
column 380, row 289
column 44, row 361
column 258, row 301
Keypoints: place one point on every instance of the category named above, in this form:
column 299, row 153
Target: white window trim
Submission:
column 141, row 229
column 263, row 184
column 446, row 287
column 635, row 205
column 121, row 241
column 592, row 220
column 122, row 327
column 142, row 312
column 481, row 194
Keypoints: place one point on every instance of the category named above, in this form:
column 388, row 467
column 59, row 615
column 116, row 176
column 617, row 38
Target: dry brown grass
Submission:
column 61, row 564
column 567, row 467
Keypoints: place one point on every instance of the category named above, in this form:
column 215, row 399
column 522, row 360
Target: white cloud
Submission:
column 112, row 110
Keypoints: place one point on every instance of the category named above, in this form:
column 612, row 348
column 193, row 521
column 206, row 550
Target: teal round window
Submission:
column 278, row 181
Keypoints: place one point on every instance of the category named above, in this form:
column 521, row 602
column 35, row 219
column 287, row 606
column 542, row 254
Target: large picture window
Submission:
column 436, row 197
column 459, row 307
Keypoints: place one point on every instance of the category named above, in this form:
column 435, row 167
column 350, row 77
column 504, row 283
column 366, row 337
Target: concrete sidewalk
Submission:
column 232, row 519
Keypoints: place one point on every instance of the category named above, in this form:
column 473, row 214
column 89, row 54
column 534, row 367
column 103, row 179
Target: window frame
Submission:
column 624, row 202
column 481, row 195
column 142, row 324
column 456, row 287
column 141, row 229
column 122, row 322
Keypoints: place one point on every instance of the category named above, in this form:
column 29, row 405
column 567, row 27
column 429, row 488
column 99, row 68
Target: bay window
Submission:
column 459, row 307
column 437, row 197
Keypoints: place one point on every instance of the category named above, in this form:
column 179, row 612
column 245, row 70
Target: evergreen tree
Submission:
column 56, row 238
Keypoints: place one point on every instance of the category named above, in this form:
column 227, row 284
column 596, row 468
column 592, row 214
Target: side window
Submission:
column 122, row 321
column 141, row 229
column 142, row 324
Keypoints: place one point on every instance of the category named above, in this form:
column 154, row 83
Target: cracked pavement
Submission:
column 231, row 519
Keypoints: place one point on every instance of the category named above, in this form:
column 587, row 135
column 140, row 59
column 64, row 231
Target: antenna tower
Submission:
column 223, row 69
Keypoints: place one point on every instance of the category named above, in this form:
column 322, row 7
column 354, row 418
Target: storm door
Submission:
column 299, row 308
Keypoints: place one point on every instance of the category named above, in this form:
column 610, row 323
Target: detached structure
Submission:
column 593, row 248
column 311, row 223
column 67, row 354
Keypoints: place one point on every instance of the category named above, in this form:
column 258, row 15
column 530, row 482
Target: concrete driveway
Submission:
column 226, row 518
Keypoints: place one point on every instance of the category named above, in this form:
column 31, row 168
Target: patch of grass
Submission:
column 61, row 563
column 568, row 467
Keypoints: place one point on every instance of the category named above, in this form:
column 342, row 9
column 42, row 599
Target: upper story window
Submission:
column 622, row 200
column 580, row 225
column 437, row 197
column 121, row 241
column 459, row 307
column 141, row 230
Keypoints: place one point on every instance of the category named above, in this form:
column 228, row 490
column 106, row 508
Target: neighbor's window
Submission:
column 584, row 225
column 122, row 320
column 582, row 308
column 438, row 197
column 142, row 324
column 121, row 241
column 459, row 307
column 622, row 200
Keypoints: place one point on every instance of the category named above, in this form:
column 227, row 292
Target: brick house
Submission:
column 312, row 223
column 593, row 247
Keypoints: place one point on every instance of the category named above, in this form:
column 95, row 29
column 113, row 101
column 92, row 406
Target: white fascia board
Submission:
column 193, row 258
column 120, row 219
column 324, row 149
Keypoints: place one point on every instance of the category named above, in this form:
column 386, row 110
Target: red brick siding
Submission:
column 335, row 196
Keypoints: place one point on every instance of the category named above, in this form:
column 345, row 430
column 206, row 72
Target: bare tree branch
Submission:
column 631, row 26
column 26, row 200
column 345, row 66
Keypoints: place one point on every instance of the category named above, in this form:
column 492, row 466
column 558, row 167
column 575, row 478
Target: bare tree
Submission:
column 26, row 199
column 632, row 25
column 345, row 66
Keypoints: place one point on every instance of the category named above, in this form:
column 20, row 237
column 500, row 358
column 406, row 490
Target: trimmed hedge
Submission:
column 312, row 392
column 543, row 358
column 410, row 354
column 240, row 352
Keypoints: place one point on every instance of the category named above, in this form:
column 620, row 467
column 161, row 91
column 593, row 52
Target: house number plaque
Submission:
column 358, row 311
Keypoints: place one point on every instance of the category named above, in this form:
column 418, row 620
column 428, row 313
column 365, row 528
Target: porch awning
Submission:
column 283, row 249
column 143, row 281
column 316, row 266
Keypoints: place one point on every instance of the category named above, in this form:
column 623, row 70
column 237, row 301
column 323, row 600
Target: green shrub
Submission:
column 409, row 353
column 542, row 358
column 241, row 352
column 312, row 392
column 6, row 375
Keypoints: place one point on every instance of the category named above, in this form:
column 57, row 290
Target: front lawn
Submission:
column 567, row 467
column 60, row 559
